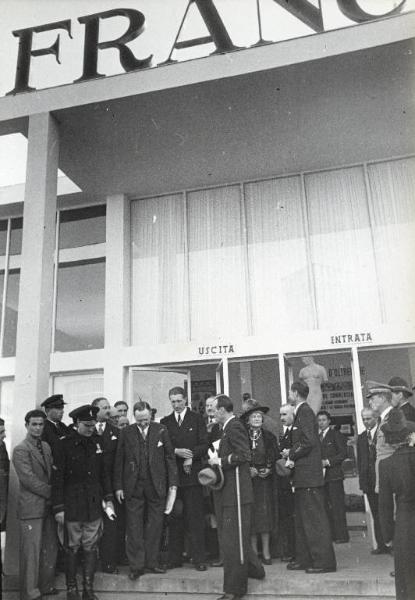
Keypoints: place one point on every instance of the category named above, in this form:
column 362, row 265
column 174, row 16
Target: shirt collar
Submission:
column 298, row 406
column 385, row 412
column 182, row 414
column 227, row 421
column 323, row 433
column 145, row 430
column 98, row 425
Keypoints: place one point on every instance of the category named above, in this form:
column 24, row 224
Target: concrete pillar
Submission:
column 34, row 325
column 117, row 294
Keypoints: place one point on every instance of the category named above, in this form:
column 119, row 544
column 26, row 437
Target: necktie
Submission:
column 143, row 433
column 39, row 447
column 179, row 420
column 100, row 428
column 321, row 436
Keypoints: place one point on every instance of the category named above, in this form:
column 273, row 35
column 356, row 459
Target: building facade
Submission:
column 236, row 213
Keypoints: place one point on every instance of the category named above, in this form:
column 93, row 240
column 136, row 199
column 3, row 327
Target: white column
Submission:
column 34, row 325
column 117, row 294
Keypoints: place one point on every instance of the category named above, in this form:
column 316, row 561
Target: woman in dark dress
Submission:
column 263, row 446
column 397, row 477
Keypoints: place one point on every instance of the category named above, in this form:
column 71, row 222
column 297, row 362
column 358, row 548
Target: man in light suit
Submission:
column 234, row 453
column 380, row 400
column 366, row 460
column 144, row 471
column 32, row 460
column 313, row 544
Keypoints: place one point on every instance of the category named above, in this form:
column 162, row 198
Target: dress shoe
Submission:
column 51, row 592
column 112, row 569
column 229, row 597
column 316, row 570
column 287, row 558
column 155, row 570
column 384, row 550
column 266, row 561
column 342, row 541
column 217, row 563
column 295, row 566
column 135, row 574
column 201, row 567
column 172, row 565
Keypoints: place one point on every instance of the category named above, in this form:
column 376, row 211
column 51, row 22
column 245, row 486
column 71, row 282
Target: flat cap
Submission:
column 84, row 413
column 55, row 401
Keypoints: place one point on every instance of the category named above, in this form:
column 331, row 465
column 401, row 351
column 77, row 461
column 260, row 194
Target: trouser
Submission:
column 336, row 509
column 373, row 500
column 38, row 550
column 286, row 523
column 108, row 542
column 235, row 574
column 313, row 544
column 193, row 523
column 144, row 525
column 83, row 533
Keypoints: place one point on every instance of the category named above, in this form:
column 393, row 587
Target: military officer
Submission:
column 80, row 484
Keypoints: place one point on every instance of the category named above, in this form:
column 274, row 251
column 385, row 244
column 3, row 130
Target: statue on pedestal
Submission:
column 314, row 376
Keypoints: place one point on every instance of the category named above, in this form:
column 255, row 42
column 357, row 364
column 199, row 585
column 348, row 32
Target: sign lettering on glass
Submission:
column 208, row 350
column 351, row 338
column 303, row 10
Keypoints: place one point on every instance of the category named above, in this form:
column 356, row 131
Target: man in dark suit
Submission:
column 285, row 492
column 188, row 434
column 107, row 435
column 333, row 453
column 4, row 476
column 400, row 397
column 313, row 544
column 366, row 460
column 54, row 430
column 144, row 470
column 32, row 460
column 234, row 457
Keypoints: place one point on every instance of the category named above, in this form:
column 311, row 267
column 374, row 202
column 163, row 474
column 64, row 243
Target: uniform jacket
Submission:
column 306, row 449
column 409, row 411
column 334, row 448
column 4, row 480
column 34, row 473
column 397, row 477
column 234, row 451
column 366, row 460
column 53, row 434
column 81, row 479
column 162, row 462
column 191, row 434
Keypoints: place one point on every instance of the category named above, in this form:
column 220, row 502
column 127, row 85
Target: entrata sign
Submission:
column 303, row 10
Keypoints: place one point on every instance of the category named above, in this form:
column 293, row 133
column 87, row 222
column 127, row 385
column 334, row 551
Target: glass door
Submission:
column 152, row 385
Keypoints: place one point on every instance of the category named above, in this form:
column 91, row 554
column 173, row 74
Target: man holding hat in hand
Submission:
column 54, row 430
column 81, row 487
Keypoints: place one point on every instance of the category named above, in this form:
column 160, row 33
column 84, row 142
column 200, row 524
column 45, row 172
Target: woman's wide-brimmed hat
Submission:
column 397, row 428
column 212, row 477
column 254, row 409
column 281, row 469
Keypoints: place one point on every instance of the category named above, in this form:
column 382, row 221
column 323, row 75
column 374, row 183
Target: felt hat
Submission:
column 55, row 401
column 85, row 413
column 281, row 469
column 398, row 384
column 212, row 477
column 254, row 409
column 397, row 428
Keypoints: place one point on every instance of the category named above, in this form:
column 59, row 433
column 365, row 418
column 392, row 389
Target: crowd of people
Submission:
column 216, row 490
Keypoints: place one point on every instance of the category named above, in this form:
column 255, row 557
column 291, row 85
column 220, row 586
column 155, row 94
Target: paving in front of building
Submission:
column 359, row 575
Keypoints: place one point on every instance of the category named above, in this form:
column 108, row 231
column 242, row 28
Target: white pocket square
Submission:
column 159, row 443
column 114, row 437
